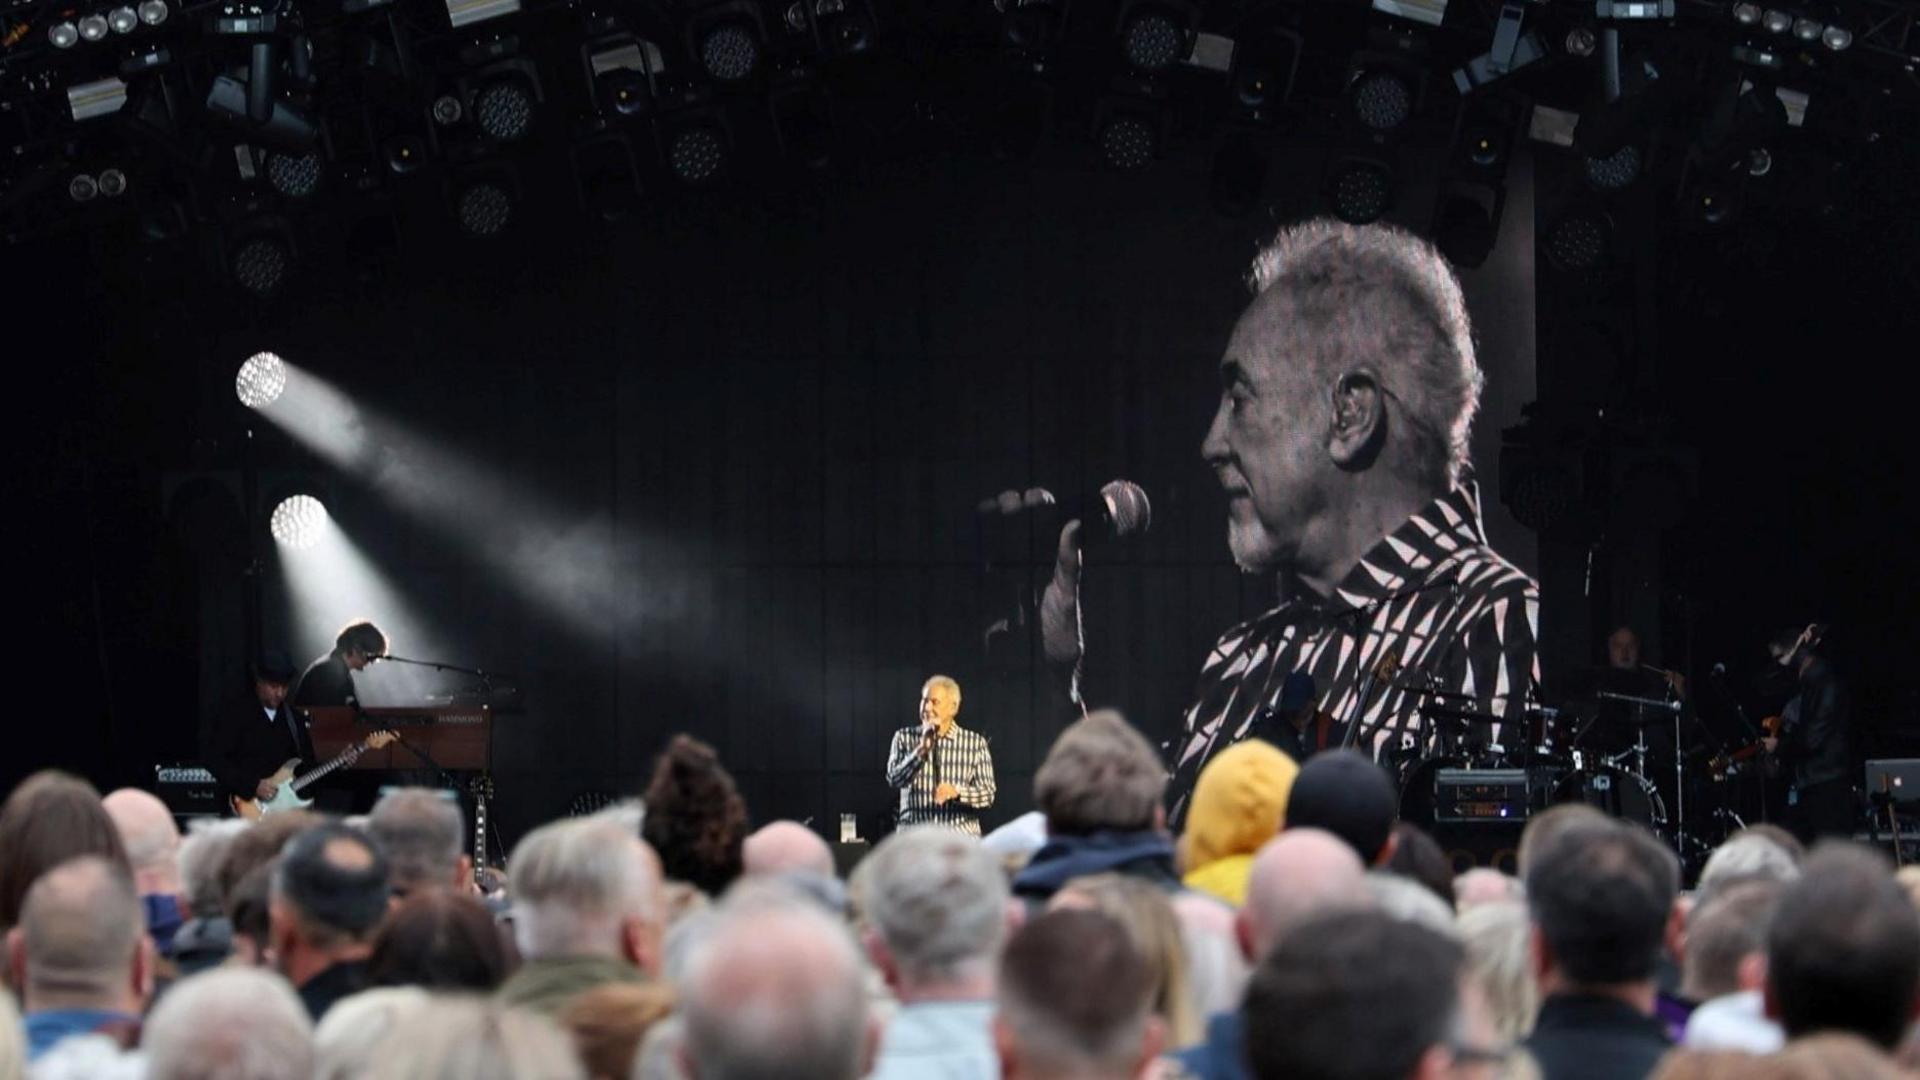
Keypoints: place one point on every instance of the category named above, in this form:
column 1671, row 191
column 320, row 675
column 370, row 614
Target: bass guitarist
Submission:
column 255, row 732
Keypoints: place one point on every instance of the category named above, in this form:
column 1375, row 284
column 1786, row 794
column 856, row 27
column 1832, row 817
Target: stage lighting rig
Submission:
column 260, row 380
column 1154, row 35
column 728, row 41
column 297, row 521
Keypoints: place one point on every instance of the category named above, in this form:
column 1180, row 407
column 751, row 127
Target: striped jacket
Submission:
column 961, row 758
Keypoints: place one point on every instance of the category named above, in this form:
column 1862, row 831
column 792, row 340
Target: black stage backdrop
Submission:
column 723, row 461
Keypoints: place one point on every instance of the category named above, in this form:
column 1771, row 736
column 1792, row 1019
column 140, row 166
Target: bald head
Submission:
column 1299, row 873
column 776, row 990
column 81, row 941
column 151, row 838
column 785, row 847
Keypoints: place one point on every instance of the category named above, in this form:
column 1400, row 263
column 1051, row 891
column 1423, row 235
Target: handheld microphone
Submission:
column 1119, row 510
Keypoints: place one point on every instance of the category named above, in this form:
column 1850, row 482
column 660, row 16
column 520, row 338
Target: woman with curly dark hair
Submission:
column 696, row 820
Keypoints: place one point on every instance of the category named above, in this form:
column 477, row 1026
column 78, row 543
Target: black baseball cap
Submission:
column 1345, row 793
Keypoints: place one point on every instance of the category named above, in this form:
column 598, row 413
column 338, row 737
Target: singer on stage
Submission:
column 329, row 680
column 1348, row 390
column 944, row 772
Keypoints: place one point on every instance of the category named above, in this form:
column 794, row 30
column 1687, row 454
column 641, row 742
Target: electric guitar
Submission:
column 287, row 786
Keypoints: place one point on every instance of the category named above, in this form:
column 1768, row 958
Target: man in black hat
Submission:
column 256, row 732
column 1345, row 793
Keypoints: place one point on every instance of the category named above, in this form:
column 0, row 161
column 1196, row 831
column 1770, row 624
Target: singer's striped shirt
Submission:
column 1469, row 629
column 961, row 758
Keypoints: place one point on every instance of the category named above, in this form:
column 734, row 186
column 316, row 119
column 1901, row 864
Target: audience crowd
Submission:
column 1294, row 930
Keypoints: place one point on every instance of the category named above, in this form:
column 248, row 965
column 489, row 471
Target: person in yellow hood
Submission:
column 1238, row 804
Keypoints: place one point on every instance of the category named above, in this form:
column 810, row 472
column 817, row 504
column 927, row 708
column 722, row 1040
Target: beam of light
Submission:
column 331, row 583
column 564, row 562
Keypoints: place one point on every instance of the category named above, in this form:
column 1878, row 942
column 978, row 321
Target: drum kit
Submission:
column 1624, row 754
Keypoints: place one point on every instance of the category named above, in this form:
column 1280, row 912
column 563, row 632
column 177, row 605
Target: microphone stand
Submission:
column 485, row 677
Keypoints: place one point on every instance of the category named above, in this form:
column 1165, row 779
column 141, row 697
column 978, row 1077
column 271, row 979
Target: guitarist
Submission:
column 1815, row 745
column 255, row 732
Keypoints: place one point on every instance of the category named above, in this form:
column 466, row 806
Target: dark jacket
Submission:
column 1580, row 1037
column 341, row 980
column 245, row 747
column 1816, row 739
column 1223, row 1056
column 327, row 681
column 1147, row 855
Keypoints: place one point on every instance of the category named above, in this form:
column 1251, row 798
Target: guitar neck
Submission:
column 351, row 755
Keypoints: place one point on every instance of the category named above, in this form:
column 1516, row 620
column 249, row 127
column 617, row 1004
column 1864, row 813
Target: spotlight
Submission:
column 63, row 35
column 447, row 110
column 1581, row 41
column 122, row 20
column 729, row 51
column 504, row 109
column 113, row 183
column 102, row 97
column 484, row 209
column 1381, row 100
column 298, row 521
column 1807, row 30
column 154, row 12
column 93, row 27
column 1837, row 38
column 1261, row 75
column 1151, row 40
column 260, row 380
column 1746, row 14
column 82, row 188
column 297, row 176
column 1759, row 161
column 1615, row 171
column 1127, row 142
column 1361, row 191
column 697, row 154
column 1578, row 240
column 1778, row 22
column 261, row 265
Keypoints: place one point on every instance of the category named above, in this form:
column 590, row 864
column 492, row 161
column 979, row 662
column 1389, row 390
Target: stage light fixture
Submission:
column 297, row 521
column 1578, row 240
column 484, row 209
column 1581, row 41
column 447, row 110
column 102, row 97
column 462, row 13
column 1746, row 14
column 1152, row 40
column 1381, row 100
column 1759, row 161
column 93, row 27
column 1615, row 171
column 729, row 51
column 1264, row 62
column 1360, row 191
column 261, row 264
column 82, row 188
column 123, row 20
column 1127, row 142
column 1777, row 21
column 154, row 12
column 63, row 34
column 844, row 29
column 1807, row 30
column 297, row 176
column 504, row 109
column 697, row 155
column 113, row 183
column 261, row 380
column 1837, row 38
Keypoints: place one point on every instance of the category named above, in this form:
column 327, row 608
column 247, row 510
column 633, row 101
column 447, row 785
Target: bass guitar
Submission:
column 287, row 786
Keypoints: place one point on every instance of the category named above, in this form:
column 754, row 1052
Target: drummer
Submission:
column 1626, row 674
column 1297, row 725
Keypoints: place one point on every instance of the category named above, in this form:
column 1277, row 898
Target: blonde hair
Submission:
column 472, row 1038
column 1498, row 958
column 1148, row 916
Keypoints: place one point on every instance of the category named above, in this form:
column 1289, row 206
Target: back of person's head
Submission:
column 1485, row 885
column 1843, row 949
column 1405, row 898
column 785, row 847
column 1346, row 794
column 259, row 844
column 1101, row 775
column 201, row 853
column 1419, row 858
column 151, row 838
column 1352, row 995
column 1496, row 938
column 423, row 835
column 441, row 940
column 609, row 1021
column 472, row 1038
column 1601, row 894
column 1238, row 802
column 1722, row 934
column 1145, row 911
column 1216, row 964
column 1746, row 856
column 81, row 940
column 1542, row 829
column 50, row 818
column 229, row 1024
column 1076, row 998
column 357, row 1026
column 249, row 913
column 582, row 887
column 331, row 883
column 1299, row 873
column 775, row 988
column 937, row 902
column 696, row 819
